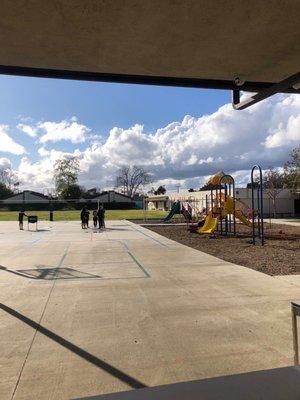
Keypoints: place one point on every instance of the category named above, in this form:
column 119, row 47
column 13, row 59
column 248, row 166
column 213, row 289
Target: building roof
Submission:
column 98, row 197
column 157, row 198
column 27, row 192
column 192, row 43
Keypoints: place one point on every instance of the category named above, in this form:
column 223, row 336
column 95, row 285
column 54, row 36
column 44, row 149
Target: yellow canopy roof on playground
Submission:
column 215, row 179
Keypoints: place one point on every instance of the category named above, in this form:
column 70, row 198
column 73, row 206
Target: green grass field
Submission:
column 74, row 215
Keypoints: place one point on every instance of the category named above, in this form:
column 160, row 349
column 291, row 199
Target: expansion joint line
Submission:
column 40, row 321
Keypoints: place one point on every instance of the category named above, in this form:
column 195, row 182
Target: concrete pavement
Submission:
column 84, row 313
column 282, row 221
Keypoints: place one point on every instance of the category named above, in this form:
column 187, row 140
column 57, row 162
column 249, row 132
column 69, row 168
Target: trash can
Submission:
column 32, row 219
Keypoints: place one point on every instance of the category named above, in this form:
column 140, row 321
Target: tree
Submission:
column 7, row 176
column 292, row 171
column 160, row 190
column 255, row 185
column 191, row 190
column 273, row 183
column 70, row 192
column 6, row 179
column 209, row 186
column 130, row 178
column 66, row 173
column 5, row 191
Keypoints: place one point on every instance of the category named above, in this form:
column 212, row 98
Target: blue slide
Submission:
column 174, row 210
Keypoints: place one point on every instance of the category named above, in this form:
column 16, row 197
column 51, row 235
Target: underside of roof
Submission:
column 197, row 43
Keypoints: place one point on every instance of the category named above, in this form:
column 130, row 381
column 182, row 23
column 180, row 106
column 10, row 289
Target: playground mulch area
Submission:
column 279, row 256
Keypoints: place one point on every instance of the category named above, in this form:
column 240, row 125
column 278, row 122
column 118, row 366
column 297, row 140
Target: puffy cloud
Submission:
column 39, row 174
column 28, row 129
column 65, row 130
column 7, row 144
column 43, row 152
column 5, row 163
column 286, row 124
column 184, row 152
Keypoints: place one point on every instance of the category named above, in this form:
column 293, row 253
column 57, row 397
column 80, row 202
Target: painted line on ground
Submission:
column 38, row 325
column 139, row 265
column 152, row 238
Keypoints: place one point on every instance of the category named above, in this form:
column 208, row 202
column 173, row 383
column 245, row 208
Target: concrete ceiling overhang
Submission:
column 199, row 43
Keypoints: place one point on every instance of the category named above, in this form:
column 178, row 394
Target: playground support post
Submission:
column 260, row 201
column 229, row 191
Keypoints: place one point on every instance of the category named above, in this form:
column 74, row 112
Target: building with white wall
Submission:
column 287, row 203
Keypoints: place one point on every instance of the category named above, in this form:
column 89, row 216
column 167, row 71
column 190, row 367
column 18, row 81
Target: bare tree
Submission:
column 273, row 183
column 131, row 178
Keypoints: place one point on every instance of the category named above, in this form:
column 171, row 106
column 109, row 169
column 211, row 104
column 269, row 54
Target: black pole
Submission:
column 252, row 205
column 258, row 211
column 50, row 210
column 234, row 226
column 229, row 194
column 260, row 218
column 226, row 217
column 261, row 210
column 221, row 216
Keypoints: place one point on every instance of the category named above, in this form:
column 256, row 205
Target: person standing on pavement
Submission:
column 95, row 218
column 83, row 217
column 87, row 216
column 101, row 213
column 21, row 219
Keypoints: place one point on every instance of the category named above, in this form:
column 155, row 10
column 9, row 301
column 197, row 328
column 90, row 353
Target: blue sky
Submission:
column 100, row 106
column 180, row 135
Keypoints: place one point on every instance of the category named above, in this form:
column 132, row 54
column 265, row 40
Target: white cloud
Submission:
column 65, row 130
column 43, row 152
column 5, row 163
column 184, row 152
column 286, row 119
column 7, row 144
column 28, row 129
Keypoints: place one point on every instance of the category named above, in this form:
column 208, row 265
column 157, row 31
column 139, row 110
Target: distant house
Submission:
column 108, row 197
column 26, row 196
column 91, row 193
column 159, row 202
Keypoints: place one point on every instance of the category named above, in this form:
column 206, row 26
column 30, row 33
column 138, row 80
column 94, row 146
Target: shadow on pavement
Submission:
column 46, row 273
column 110, row 369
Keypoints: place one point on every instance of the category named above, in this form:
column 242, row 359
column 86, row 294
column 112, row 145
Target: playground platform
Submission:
column 84, row 313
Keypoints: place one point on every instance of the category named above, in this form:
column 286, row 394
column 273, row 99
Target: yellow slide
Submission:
column 242, row 217
column 229, row 209
column 210, row 225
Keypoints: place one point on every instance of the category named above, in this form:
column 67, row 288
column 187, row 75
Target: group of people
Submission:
column 98, row 217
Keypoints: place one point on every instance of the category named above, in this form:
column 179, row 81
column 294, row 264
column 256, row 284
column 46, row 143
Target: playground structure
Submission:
column 182, row 208
column 221, row 209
